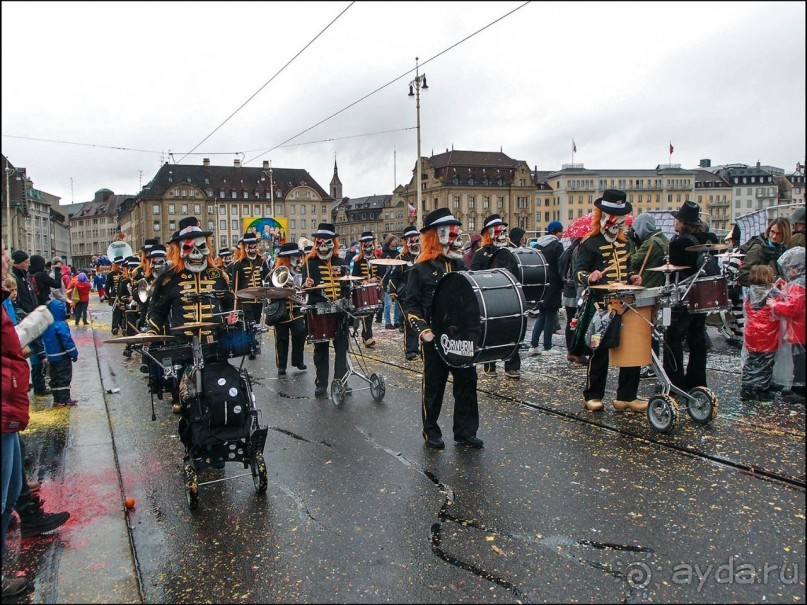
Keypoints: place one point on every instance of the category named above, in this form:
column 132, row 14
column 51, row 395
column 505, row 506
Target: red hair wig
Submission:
column 178, row 263
column 596, row 217
column 313, row 253
column 430, row 246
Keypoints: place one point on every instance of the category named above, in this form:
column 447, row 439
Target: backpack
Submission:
column 224, row 398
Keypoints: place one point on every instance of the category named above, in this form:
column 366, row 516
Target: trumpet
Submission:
column 144, row 290
column 283, row 277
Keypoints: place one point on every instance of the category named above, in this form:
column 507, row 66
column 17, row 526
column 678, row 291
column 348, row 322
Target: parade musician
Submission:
column 397, row 285
column 360, row 267
column 292, row 326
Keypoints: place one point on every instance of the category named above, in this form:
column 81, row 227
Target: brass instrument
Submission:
column 144, row 290
column 283, row 277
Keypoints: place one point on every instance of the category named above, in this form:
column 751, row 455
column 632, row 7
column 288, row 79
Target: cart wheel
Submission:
column 662, row 413
column 377, row 388
column 704, row 409
column 259, row 475
column 337, row 392
column 191, row 487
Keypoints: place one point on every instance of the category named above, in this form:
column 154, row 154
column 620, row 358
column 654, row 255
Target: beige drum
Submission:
column 635, row 337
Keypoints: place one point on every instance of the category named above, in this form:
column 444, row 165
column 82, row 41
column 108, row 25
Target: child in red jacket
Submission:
column 790, row 305
column 761, row 336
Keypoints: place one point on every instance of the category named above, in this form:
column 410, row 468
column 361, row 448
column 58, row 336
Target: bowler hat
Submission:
column 613, row 201
column 225, row 252
column 492, row 221
column 366, row 236
column 250, row 237
column 289, row 249
column 325, row 230
column 410, row 231
column 689, row 213
column 157, row 251
column 149, row 243
column 438, row 218
column 189, row 228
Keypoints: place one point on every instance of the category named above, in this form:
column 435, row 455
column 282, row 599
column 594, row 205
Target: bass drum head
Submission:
column 275, row 311
column 478, row 316
column 528, row 266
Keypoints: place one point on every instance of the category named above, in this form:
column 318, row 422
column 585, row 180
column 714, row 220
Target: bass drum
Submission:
column 528, row 266
column 276, row 311
column 478, row 316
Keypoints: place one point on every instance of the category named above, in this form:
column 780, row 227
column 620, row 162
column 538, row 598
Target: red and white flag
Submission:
column 671, row 148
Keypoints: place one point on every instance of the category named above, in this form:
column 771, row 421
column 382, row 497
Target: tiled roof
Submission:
column 360, row 203
column 228, row 178
column 487, row 159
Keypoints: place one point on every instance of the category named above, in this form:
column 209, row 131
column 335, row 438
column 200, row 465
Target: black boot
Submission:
column 34, row 521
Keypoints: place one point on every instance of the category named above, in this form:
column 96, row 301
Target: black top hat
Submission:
column 438, row 218
column 613, row 201
column 149, row 243
column 491, row 221
column 734, row 234
column 325, row 230
column 189, row 228
column 410, row 231
column 225, row 252
column 250, row 237
column 157, row 250
column 366, row 236
column 289, row 249
column 132, row 261
column 689, row 213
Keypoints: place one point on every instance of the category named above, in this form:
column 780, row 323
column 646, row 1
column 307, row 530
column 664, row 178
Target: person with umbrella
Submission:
column 603, row 258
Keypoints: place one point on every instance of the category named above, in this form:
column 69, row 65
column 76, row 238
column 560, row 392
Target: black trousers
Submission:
column 511, row 363
column 689, row 327
column 757, row 372
column 411, row 340
column 80, row 311
column 466, row 407
column 117, row 318
column 61, row 375
column 294, row 331
column 627, row 387
column 252, row 312
column 340, row 360
column 367, row 327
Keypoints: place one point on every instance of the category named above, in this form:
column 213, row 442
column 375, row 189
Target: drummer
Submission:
column 440, row 231
column 323, row 267
column 360, row 267
column 603, row 258
column 126, row 302
column 292, row 326
column 111, row 294
column 398, row 276
column 686, row 326
column 193, row 290
column 225, row 259
column 249, row 271
column 139, row 273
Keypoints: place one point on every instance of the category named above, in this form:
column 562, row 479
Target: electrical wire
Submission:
column 11, row 136
column 269, row 81
column 380, row 88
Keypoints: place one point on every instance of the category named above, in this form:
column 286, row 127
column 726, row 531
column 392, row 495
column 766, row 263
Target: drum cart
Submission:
column 701, row 403
column 375, row 381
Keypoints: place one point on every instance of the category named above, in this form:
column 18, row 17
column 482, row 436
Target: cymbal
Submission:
column 139, row 339
column 350, row 278
column 616, row 287
column 707, row 247
column 194, row 326
column 261, row 292
column 730, row 255
column 320, row 287
column 386, row 261
column 669, row 268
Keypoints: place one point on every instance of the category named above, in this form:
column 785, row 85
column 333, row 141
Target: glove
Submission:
column 74, row 359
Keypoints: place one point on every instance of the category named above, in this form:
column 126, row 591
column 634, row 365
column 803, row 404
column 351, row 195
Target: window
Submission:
column 486, row 201
column 172, row 225
column 313, row 209
column 302, row 209
column 471, row 202
column 324, row 211
column 211, row 210
column 293, row 209
column 184, row 209
column 257, row 210
column 245, row 210
column 221, row 192
column 472, row 224
column 156, row 226
column 211, row 225
column 456, row 203
column 235, row 239
column 234, row 224
column 197, row 209
column 222, row 225
column 293, row 223
column 571, row 214
column 233, row 210
column 233, row 194
column 302, row 223
column 155, row 209
column 500, row 202
column 245, row 195
column 222, row 241
column 222, row 211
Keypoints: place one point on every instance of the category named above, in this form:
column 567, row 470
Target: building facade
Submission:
column 713, row 194
column 15, row 205
column 221, row 197
column 93, row 226
column 754, row 187
column 353, row 216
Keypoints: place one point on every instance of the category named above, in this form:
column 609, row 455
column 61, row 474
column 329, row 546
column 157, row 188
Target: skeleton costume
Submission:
column 112, row 293
column 609, row 254
column 249, row 272
column 397, row 286
column 292, row 327
column 322, row 266
column 495, row 230
column 422, row 281
column 362, row 268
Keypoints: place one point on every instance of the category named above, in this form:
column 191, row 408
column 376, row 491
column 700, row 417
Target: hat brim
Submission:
column 677, row 214
column 451, row 222
column 190, row 236
column 324, row 234
column 627, row 209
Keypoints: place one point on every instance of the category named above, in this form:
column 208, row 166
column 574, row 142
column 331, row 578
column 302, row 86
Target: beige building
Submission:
column 93, row 226
column 221, row 197
column 713, row 194
column 474, row 185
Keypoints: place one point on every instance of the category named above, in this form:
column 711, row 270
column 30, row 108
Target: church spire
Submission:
column 336, row 184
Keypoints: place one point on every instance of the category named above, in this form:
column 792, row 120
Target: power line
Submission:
column 11, row 136
column 380, row 88
column 269, row 81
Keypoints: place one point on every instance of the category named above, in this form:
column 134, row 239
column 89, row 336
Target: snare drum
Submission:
column 634, row 336
column 528, row 266
column 322, row 321
column 707, row 294
column 367, row 299
column 237, row 340
column 478, row 316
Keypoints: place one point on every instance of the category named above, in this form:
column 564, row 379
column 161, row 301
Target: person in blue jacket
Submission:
column 61, row 352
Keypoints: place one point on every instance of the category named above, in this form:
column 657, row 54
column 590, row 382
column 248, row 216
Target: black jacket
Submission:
column 421, row 283
column 552, row 252
column 482, row 257
column 26, row 298
column 680, row 256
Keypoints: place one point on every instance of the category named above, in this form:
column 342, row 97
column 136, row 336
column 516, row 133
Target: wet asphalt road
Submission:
column 560, row 505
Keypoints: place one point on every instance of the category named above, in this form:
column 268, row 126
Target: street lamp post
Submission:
column 414, row 91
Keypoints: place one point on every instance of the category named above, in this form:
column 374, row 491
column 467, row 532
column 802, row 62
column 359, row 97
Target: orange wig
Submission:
column 313, row 253
column 596, row 217
column 178, row 263
column 430, row 246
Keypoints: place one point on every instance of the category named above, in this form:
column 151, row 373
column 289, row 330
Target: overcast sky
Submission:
column 720, row 80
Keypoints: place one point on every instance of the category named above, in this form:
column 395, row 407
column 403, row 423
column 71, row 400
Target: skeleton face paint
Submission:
column 324, row 248
column 448, row 233
column 252, row 251
column 611, row 225
column 157, row 266
column 226, row 260
column 413, row 243
column 498, row 234
column 296, row 262
column 368, row 248
column 455, row 247
column 194, row 253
